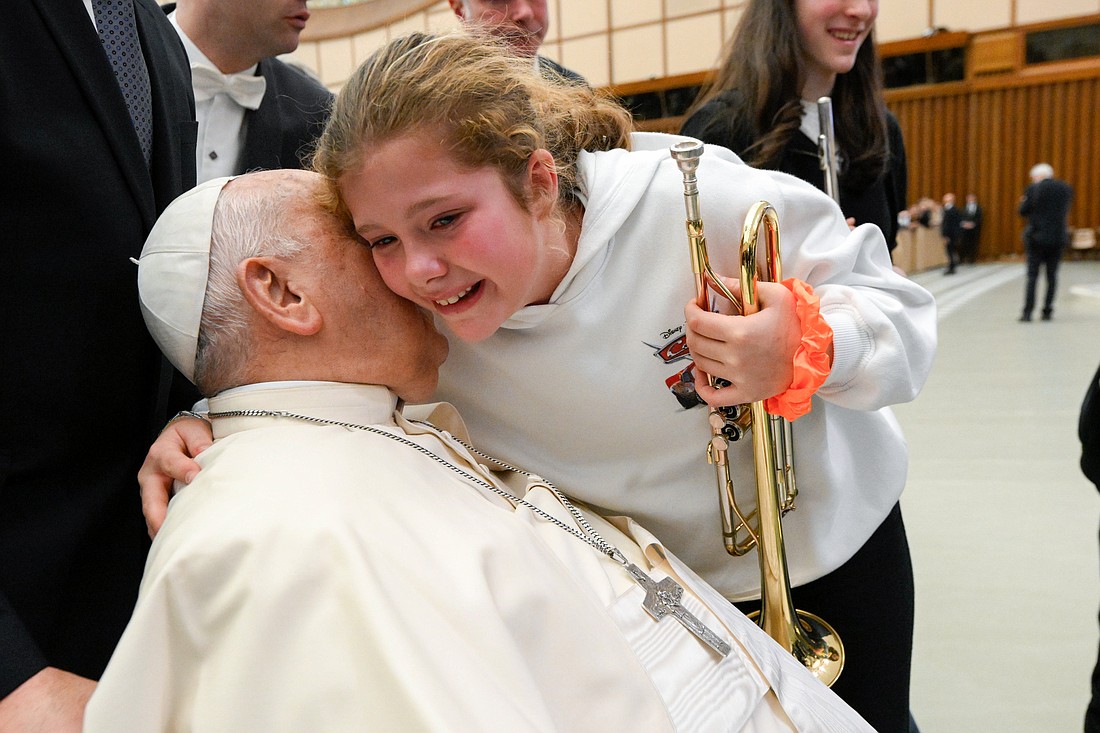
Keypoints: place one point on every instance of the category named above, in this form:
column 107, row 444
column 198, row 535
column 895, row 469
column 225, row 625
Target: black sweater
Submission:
column 877, row 202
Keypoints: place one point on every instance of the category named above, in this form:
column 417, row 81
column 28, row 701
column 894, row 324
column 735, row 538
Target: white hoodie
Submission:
column 576, row 389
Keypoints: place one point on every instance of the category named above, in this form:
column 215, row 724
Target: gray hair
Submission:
column 247, row 223
column 1042, row 171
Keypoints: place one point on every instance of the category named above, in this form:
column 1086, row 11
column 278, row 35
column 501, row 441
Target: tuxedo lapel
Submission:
column 76, row 36
column 263, row 136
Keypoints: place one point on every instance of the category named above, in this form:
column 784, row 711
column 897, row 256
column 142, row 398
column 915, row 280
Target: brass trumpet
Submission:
column 810, row 639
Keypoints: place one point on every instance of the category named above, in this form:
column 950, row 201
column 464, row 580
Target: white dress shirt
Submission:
column 222, row 125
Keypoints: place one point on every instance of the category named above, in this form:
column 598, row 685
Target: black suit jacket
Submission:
column 1046, row 205
column 975, row 217
column 282, row 130
column 82, row 386
column 551, row 69
column 951, row 223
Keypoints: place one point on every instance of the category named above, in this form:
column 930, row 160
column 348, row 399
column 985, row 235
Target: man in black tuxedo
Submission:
column 522, row 24
column 951, row 230
column 255, row 112
column 971, row 224
column 83, row 388
column 1046, row 204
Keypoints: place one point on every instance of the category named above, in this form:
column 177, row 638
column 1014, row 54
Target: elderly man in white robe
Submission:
column 340, row 566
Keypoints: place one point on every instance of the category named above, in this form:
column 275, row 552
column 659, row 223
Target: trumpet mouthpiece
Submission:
column 687, row 154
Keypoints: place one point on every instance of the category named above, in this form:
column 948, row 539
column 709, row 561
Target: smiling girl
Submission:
column 549, row 243
column 761, row 104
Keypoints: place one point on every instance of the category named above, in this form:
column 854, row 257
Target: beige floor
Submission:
column 1002, row 524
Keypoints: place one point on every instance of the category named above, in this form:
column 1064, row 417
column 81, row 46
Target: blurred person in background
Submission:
column 971, row 229
column 951, row 231
column 1045, row 204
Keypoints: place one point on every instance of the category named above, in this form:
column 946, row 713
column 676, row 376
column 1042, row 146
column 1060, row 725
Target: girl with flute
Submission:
column 761, row 103
column 549, row 243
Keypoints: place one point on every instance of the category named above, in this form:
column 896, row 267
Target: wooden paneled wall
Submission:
column 983, row 136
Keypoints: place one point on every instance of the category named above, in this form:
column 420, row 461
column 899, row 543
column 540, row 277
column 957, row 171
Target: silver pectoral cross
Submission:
column 663, row 599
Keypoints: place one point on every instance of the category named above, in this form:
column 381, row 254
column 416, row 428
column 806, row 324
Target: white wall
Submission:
column 622, row 41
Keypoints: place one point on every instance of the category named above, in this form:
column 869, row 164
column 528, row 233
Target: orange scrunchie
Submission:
column 811, row 358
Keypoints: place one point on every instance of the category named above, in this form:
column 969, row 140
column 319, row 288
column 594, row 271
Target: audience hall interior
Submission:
column 1001, row 522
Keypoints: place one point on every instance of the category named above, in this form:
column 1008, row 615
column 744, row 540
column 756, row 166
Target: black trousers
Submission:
column 869, row 602
column 1041, row 256
column 951, row 249
column 968, row 246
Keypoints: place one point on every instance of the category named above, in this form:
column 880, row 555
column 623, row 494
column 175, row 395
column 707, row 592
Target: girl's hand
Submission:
column 171, row 458
column 754, row 353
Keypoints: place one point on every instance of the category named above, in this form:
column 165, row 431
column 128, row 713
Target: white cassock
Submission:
column 324, row 578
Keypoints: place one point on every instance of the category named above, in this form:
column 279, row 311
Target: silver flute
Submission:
column 826, row 147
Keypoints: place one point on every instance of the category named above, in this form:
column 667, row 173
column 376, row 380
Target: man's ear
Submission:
column 268, row 287
column 542, row 181
column 456, row 6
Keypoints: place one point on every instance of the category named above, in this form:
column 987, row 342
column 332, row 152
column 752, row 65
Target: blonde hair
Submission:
column 487, row 106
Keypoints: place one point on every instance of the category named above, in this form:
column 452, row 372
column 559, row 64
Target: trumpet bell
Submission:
column 812, row 641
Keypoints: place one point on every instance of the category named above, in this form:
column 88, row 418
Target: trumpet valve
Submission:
column 717, row 421
column 716, row 450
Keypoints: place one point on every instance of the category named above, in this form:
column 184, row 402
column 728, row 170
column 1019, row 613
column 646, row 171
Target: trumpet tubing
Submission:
column 810, row 639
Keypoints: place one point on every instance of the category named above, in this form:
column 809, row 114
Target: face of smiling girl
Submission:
column 453, row 239
column 831, row 32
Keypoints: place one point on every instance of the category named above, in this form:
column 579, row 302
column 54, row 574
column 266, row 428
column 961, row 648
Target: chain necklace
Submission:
column 662, row 598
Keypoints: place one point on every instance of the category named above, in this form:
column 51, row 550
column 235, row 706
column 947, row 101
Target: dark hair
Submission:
column 762, row 64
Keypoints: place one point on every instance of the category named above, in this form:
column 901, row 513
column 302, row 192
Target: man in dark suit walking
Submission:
column 951, row 230
column 1046, row 204
column 255, row 112
column 88, row 168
